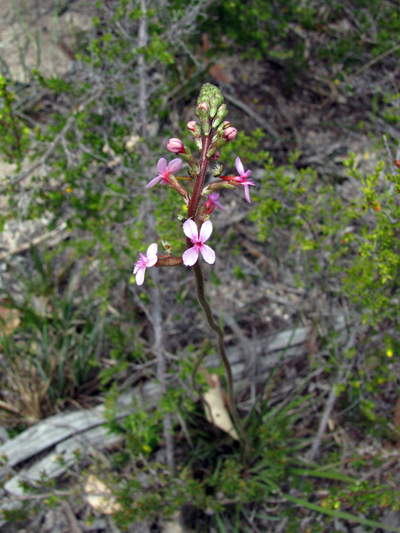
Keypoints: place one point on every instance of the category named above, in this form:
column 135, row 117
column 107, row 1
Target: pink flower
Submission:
column 176, row 146
column 165, row 171
column 191, row 125
column 145, row 261
column 212, row 203
column 230, row 133
column 198, row 239
column 241, row 179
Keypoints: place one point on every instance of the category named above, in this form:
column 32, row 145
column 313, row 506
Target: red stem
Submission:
column 169, row 261
column 199, row 184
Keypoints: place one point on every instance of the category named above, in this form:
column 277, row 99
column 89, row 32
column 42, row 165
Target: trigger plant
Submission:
column 210, row 133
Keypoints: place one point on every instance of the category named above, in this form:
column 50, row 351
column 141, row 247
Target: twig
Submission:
column 185, row 430
column 43, row 496
column 142, row 70
column 157, row 323
column 263, row 123
column 330, row 404
column 376, row 59
column 70, row 516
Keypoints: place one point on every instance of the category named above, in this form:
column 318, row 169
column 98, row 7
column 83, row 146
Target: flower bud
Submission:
column 202, row 111
column 176, row 146
column 216, row 155
column 221, row 113
column 230, row 133
column 191, row 126
column 217, row 170
column 226, row 124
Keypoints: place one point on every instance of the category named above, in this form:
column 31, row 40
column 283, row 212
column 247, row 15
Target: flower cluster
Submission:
column 209, row 136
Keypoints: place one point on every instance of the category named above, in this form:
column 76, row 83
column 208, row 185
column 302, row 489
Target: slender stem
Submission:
column 199, row 283
column 199, row 184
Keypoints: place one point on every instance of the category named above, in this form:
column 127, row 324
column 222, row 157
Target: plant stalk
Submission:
column 199, row 284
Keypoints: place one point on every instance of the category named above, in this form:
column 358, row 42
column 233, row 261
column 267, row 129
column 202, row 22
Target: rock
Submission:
column 392, row 519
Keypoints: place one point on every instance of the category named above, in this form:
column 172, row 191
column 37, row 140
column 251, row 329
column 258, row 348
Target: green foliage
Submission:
column 212, row 476
column 371, row 279
column 14, row 134
column 248, row 148
column 357, row 237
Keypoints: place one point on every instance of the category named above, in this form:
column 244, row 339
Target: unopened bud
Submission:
column 230, row 133
column 217, row 170
column 216, row 155
column 221, row 113
column 195, row 131
column 212, row 151
column 202, row 110
column 176, row 146
column 226, row 124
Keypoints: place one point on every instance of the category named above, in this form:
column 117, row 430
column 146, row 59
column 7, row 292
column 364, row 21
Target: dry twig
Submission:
column 342, row 378
column 263, row 123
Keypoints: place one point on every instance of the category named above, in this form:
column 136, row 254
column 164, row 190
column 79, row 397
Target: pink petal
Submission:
column 205, row 231
column 190, row 256
column 152, row 250
column 140, row 276
column 247, row 193
column 190, row 230
column 162, row 165
column 152, row 254
column 135, row 270
column 154, row 182
column 239, row 166
column 175, row 165
column 208, row 254
column 247, row 174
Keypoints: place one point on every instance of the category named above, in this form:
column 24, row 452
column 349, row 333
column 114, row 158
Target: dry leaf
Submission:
column 99, row 496
column 216, row 411
column 9, row 320
column 41, row 306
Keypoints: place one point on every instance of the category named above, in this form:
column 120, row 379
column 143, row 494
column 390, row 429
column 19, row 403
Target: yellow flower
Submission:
column 389, row 352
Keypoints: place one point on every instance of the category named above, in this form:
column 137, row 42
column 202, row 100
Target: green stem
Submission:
column 199, row 284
